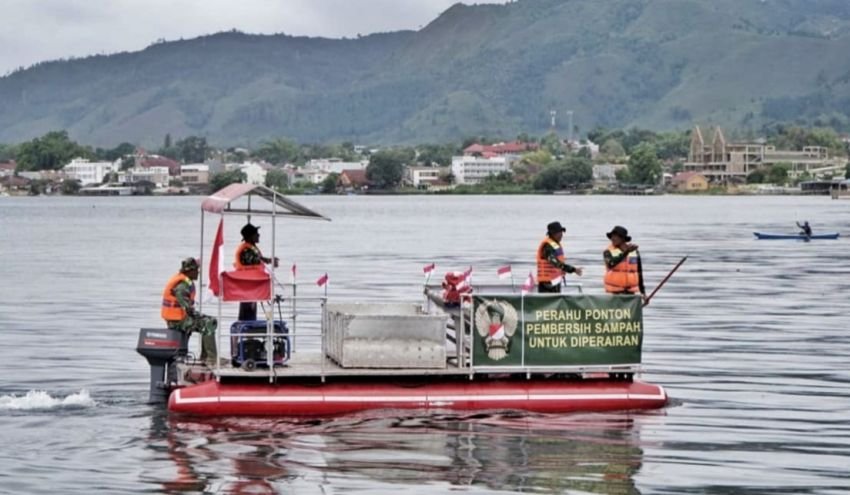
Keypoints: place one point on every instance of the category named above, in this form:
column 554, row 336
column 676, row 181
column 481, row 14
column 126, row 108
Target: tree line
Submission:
column 553, row 165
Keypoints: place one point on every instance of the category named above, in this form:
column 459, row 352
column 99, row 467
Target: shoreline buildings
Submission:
column 721, row 161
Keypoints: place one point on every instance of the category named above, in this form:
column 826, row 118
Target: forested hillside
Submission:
column 486, row 69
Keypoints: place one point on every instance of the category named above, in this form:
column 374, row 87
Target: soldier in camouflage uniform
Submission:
column 179, row 300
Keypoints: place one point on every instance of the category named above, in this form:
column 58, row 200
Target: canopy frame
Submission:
column 276, row 205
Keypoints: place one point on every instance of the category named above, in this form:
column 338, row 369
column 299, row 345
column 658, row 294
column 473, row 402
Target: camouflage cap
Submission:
column 188, row 264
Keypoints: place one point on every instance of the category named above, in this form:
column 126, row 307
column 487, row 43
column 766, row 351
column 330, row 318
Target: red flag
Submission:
column 246, row 285
column 504, row 271
column 322, row 281
column 216, row 260
column 293, row 272
column 429, row 268
column 528, row 286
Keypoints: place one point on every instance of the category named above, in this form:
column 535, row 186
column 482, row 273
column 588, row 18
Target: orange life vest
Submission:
column 171, row 310
column 546, row 272
column 238, row 262
column 624, row 276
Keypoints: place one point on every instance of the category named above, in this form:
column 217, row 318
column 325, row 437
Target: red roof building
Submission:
column 13, row 182
column 353, row 178
column 148, row 161
column 7, row 168
column 689, row 181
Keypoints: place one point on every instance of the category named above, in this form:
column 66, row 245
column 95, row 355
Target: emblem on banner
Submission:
column 496, row 322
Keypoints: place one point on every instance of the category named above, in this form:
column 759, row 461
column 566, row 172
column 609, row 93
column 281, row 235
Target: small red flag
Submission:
column 504, row 272
column 429, row 268
column 216, row 260
column 322, row 281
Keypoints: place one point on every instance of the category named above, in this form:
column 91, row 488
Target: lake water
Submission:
column 750, row 338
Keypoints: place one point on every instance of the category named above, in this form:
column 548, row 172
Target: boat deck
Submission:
column 306, row 364
column 311, row 364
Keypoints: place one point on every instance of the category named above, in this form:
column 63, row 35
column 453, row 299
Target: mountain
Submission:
column 484, row 69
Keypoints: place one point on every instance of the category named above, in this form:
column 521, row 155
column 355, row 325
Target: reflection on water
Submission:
column 750, row 339
column 508, row 452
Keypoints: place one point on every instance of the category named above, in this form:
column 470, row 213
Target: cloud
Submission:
column 39, row 30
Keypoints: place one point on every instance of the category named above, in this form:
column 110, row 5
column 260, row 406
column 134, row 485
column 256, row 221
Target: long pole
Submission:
column 665, row 279
column 294, row 299
column 522, row 329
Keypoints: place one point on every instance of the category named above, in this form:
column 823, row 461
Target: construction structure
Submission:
column 722, row 162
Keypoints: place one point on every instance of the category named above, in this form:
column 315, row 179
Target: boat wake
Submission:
column 41, row 400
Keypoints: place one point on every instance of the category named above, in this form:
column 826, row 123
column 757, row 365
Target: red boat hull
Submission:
column 546, row 396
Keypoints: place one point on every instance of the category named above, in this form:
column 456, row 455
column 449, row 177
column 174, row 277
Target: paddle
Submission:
column 805, row 231
column 646, row 301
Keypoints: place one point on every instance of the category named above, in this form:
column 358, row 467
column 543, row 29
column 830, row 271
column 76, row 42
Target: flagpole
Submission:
column 429, row 269
column 522, row 325
column 294, row 313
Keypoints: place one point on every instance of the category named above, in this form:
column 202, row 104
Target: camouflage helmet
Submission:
column 188, row 264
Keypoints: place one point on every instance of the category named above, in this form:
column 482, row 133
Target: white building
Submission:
column 589, row 145
column 89, row 172
column 424, row 176
column 607, row 173
column 255, row 173
column 312, row 175
column 474, row 169
column 335, row 165
column 156, row 175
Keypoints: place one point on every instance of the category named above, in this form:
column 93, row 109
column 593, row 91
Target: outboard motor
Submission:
column 161, row 347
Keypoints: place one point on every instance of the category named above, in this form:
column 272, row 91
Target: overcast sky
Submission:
column 37, row 30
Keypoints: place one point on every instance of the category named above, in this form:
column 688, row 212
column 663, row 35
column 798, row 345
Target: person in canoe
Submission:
column 805, row 229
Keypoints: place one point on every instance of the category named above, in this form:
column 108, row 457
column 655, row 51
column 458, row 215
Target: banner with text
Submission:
column 557, row 330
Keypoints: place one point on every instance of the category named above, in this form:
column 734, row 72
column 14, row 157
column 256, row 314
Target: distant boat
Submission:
column 800, row 237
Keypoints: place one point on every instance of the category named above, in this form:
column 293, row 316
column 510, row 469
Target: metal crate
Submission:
column 385, row 335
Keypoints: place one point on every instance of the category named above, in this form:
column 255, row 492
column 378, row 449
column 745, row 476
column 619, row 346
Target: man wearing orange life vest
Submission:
column 551, row 262
column 249, row 257
column 623, row 270
column 178, row 308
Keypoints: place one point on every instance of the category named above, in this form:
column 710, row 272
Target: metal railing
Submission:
column 311, row 327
